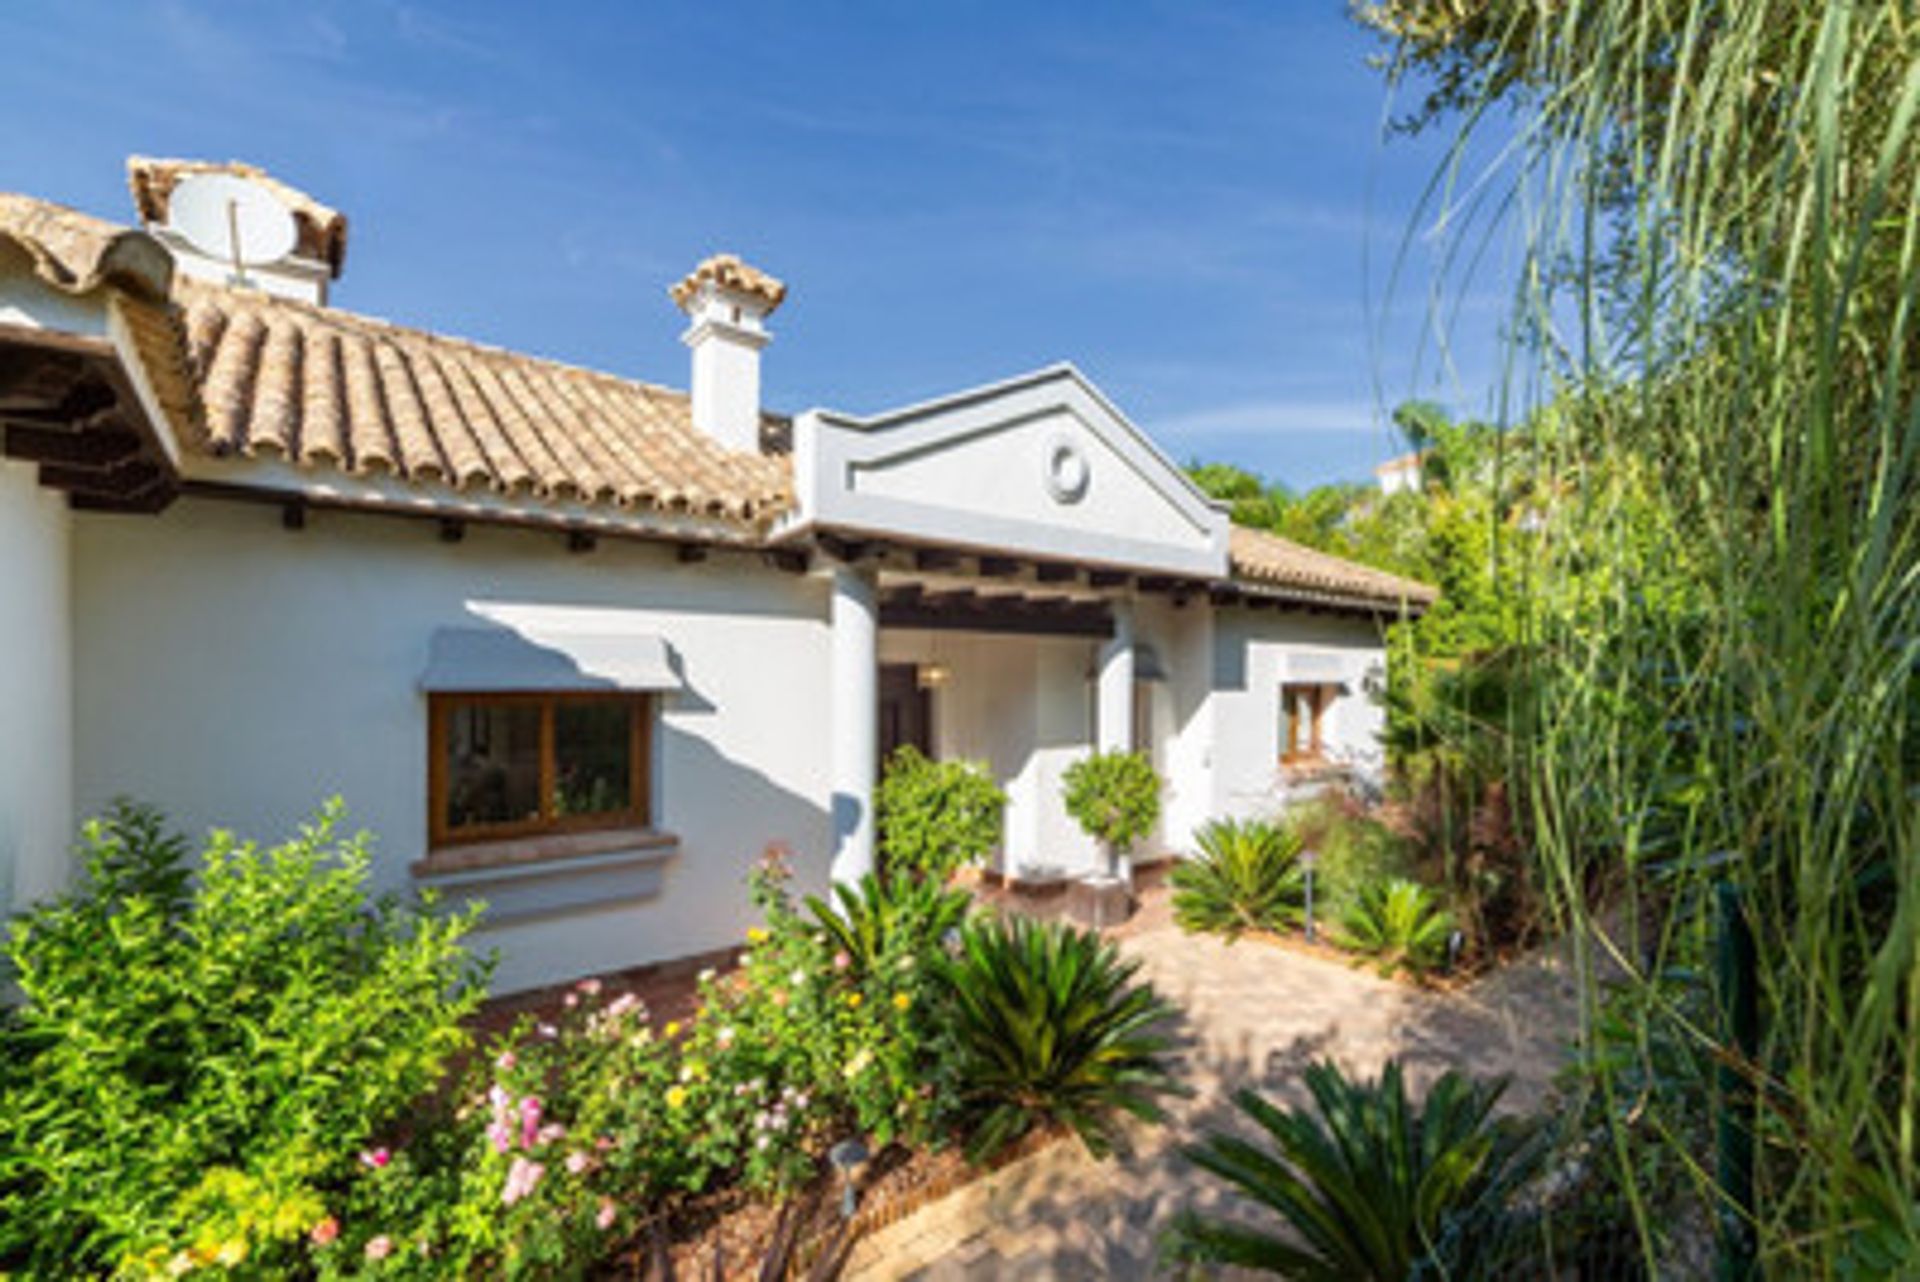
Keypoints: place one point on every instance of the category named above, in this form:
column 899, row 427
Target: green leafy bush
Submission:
column 1115, row 797
column 1401, row 924
column 1247, row 876
column 937, row 816
column 1352, row 847
column 1043, row 1024
column 881, row 918
column 196, row 1065
column 1369, row 1186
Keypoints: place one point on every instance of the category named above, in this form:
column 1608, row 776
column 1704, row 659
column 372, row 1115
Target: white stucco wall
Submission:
column 1022, row 704
column 1251, row 652
column 238, row 673
column 36, row 692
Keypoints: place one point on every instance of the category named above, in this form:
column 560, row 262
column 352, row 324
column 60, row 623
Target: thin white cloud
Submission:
column 1270, row 417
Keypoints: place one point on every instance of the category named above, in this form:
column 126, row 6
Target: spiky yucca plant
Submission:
column 1401, row 924
column 870, row 913
column 1370, row 1187
column 1046, row 1026
column 1247, row 876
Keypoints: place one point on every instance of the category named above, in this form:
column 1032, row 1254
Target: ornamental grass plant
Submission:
column 1712, row 216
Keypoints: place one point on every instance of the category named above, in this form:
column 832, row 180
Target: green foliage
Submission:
column 195, row 1067
column 1718, row 681
column 1369, row 1186
column 1353, row 848
column 881, row 918
column 937, row 816
column 1246, row 876
column 1401, row 924
column 1114, row 796
column 1043, row 1024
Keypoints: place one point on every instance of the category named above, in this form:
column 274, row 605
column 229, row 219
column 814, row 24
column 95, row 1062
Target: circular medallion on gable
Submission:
column 1067, row 471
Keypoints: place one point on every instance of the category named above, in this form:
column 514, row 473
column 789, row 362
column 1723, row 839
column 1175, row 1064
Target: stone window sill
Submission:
column 513, row 854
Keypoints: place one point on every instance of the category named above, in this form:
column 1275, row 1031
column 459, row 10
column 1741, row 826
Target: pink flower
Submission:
column 841, row 961
column 529, row 1121
column 380, row 1248
column 577, row 1162
column 605, row 1218
column 505, row 1064
column 376, row 1158
column 500, row 1137
column 591, row 987
column 604, row 1143
column 570, row 1001
column 550, row 1132
column 522, row 1177
column 325, row 1232
column 622, row 1005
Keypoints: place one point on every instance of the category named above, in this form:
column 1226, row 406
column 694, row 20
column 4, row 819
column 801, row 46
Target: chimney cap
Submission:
column 322, row 231
column 729, row 272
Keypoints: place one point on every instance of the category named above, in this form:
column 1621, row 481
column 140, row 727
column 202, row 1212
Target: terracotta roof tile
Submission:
column 729, row 272
column 1267, row 560
column 327, row 388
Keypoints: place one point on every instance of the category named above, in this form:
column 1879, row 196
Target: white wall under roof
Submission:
column 238, row 674
column 1254, row 654
column 36, row 692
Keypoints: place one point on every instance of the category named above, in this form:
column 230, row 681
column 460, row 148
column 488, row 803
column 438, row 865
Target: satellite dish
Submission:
column 232, row 220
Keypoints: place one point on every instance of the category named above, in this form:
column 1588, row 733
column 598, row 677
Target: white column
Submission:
column 1113, row 707
column 855, row 621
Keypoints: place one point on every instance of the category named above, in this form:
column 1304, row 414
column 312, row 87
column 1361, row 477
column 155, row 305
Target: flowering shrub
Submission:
column 566, row 1133
column 196, row 1064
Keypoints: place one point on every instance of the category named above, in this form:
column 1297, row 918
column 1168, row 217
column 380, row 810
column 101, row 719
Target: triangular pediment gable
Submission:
column 1042, row 465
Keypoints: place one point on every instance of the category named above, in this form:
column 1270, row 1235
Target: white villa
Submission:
column 582, row 645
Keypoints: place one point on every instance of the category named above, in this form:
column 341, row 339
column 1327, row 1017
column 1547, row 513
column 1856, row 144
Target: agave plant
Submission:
column 1045, row 1025
column 1369, row 1186
column 1401, row 924
column 875, row 914
column 1247, row 876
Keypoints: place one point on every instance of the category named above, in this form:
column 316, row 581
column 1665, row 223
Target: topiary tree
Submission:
column 937, row 816
column 1115, row 797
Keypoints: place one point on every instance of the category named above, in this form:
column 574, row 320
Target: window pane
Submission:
column 493, row 763
column 592, row 758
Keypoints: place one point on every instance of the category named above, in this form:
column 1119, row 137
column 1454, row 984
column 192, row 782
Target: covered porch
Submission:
column 1026, row 668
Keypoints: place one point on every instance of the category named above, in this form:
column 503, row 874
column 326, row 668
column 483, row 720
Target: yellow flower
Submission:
column 755, row 935
column 902, row 1000
column 676, row 1096
column 854, row 999
column 673, row 1028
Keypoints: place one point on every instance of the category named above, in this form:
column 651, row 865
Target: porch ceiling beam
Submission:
column 1074, row 621
column 1055, row 571
column 998, row 567
column 850, row 550
column 1107, row 578
column 789, row 560
column 124, row 482
column 935, row 559
column 107, row 448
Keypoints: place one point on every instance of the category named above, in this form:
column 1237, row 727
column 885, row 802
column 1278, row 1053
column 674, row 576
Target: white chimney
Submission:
column 727, row 304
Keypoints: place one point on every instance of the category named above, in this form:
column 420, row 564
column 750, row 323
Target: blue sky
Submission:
column 1192, row 202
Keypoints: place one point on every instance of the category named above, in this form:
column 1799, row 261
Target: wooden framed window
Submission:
column 514, row 765
column 1303, row 711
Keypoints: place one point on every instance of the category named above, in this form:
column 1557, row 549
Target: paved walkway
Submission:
column 1256, row 1013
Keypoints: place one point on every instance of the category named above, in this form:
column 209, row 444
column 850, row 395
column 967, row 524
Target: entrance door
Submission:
column 906, row 711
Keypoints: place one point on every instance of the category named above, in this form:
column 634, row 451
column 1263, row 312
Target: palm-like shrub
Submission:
column 863, row 921
column 1247, row 876
column 1370, row 1187
column 1045, row 1025
column 1401, row 924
